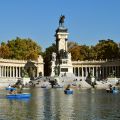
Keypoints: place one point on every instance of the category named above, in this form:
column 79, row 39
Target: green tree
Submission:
column 21, row 49
column 4, row 51
column 82, row 52
column 107, row 49
column 85, row 52
column 75, row 53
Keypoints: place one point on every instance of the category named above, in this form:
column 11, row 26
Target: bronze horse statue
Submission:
column 61, row 21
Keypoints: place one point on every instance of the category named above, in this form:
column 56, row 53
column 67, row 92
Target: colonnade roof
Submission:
column 16, row 61
column 100, row 62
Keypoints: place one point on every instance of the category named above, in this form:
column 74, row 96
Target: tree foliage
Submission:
column 75, row 53
column 5, row 51
column 21, row 49
column 107, row 49
column 81, row 52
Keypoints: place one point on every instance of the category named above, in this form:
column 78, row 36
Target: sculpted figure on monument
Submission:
column 53, row 56
column 69, row 56
column 61, row 21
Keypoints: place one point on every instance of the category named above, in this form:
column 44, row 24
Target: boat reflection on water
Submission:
column 19, row 99
column 19, row 96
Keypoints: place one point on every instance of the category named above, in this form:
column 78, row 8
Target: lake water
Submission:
column 53, row 104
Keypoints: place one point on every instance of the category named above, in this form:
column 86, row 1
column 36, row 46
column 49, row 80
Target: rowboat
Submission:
column 112, row 91
column 68, row 91
column 115, row 91
column 18, row 96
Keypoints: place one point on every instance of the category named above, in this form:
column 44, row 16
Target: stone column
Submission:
column 3, row 71
column 93, row 71
column 16, row 71
column 13, row 71
column 73, row 70
column 86, row 71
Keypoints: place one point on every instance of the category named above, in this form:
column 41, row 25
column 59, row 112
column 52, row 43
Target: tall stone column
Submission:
column 17, row 73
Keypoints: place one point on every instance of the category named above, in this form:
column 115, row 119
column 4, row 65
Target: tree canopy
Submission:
column 21, row 49
column 107, row 49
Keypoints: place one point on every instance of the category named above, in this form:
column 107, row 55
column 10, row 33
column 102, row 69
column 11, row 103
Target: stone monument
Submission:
column 61, row 60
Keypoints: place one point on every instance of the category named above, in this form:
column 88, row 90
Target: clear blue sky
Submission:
column 87, row 20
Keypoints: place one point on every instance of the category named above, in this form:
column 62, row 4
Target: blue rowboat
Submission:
column 11, row 88
column 18, row 96
column 68, row 92
column 115, row 91
column 112, row 91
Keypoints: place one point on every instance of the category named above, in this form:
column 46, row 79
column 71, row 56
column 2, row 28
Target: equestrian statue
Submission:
column 61, row 21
